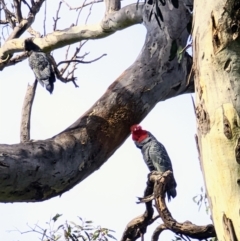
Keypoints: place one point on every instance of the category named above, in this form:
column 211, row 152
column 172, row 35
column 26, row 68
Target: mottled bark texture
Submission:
column 217, row 81
column 39, row 170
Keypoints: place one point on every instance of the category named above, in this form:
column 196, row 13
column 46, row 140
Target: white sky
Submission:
column 108, row 196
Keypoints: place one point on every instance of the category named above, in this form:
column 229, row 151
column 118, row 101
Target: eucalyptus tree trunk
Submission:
column 217, row 86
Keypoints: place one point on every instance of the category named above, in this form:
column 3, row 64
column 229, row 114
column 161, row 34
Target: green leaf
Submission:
column 69, row 229
column 55, row 218
column 60, row 226
column 89, row 225
column 81, row 236
column 87, row 235
column 88, row 221
column 95, row 235
column 111, row 236
column 110, row 230
column 105, row 238
column 58, row 237
column 180, row 53
column 73, row 223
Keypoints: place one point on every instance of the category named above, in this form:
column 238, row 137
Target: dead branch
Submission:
column 16, row 59
column 59, row 74
column 75, row 60
column 24, row 24
column 55, row 20
column 45, row 18
column 10, row 17
column 161, row 183
column 80, row 61
column 158, row 231
column 81, row 44
column 4, row 21
column 18, row 11
column 58, row 39
column 138, row 226
column 26, row 112
column 89, row 13
column 82, row 5
column 26, row 3
column 53, row 166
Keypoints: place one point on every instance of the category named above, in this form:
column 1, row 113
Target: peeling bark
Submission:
column 216, row 61
column 39, row 170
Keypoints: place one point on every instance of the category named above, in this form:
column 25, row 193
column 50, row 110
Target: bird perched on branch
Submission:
column 154, row 153
column 40, row 64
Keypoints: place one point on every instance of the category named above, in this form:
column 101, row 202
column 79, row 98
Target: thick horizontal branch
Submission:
column 115, row 21
column 39, row 170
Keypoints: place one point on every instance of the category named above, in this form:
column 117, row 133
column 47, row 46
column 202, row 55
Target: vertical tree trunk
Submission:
column 217, row 85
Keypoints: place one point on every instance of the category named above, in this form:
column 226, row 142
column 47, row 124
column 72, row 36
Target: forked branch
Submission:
column 161, row 183
column 137, row 227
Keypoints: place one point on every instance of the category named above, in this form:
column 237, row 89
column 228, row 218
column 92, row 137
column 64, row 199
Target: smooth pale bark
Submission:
column 39, row 170
column 113, row 21
column 26, row 112
column 217, row 86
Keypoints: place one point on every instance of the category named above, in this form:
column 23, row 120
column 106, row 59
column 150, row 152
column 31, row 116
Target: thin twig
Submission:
column 80, row 61
column 45, row 18
column 29, row 8
column 83, row 5
column 89, row 13
column 18, row 11
column 55, row 20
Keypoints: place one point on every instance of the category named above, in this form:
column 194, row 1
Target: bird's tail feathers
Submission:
column 50, row 87
column 41, row 82
column 172, row 193
column 52, row 77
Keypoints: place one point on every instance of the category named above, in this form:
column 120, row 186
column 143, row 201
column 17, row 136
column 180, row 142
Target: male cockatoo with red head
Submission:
column 154, row 153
